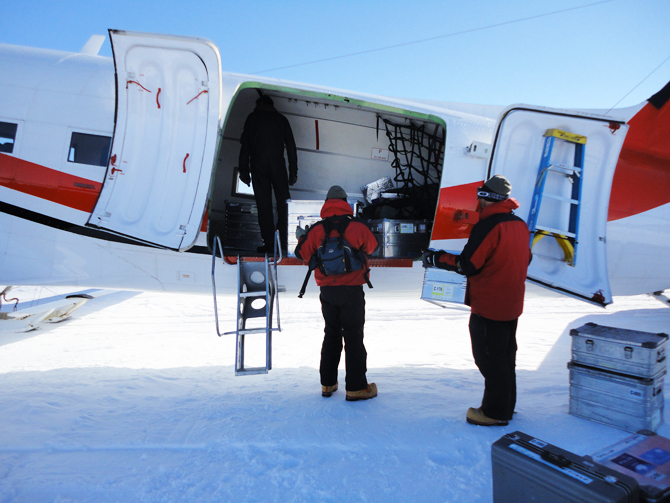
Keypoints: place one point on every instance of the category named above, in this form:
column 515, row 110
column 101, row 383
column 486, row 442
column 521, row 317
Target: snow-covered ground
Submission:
column 139, row 402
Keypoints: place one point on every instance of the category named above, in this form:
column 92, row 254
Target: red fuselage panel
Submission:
column 50, row 184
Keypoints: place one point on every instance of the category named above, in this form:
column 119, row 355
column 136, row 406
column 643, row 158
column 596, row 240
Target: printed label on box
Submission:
column 633, row 464
column 443, row 292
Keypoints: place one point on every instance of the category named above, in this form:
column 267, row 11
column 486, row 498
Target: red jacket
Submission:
column 356, row 234
column 495, row 261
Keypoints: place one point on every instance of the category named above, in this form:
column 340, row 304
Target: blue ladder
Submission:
column 566, row 238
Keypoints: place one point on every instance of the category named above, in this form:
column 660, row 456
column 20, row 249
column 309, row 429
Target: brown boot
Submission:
column 364, row 394
column 476, row 416
column 328, row 390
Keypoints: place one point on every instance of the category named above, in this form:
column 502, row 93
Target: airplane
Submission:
column 121, row 173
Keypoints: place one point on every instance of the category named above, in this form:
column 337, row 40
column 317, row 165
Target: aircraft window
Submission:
column 7, row 137
column 90, row 149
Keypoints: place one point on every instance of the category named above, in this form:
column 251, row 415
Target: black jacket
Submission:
column 266, row 133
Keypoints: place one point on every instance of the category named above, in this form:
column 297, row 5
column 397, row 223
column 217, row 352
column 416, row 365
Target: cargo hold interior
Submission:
column 388, row 160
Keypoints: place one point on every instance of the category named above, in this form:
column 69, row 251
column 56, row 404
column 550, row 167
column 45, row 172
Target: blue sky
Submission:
column 572, row 53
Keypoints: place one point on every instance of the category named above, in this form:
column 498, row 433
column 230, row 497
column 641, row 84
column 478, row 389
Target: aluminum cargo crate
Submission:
column 301, row 213
column 527, row 469
column 440, row 285
column 645, row 457
column 400, row 238
column 627, row 351
column 627, row 402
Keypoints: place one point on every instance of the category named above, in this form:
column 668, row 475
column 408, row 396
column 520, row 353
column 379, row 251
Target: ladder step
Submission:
column 561, row 198
column 252, row 331
column 564, row 169
column 555, row 231
column 261, row 293
column 251, row 371
column 565, row 136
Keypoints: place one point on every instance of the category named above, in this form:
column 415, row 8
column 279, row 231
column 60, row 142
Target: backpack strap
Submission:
column 312, row 266
column 328, row 225
column 312, row 262
column 341, row 227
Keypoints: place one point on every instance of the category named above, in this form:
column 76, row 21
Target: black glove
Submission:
column 431, row 258
column 245, row 178
column 292, row 179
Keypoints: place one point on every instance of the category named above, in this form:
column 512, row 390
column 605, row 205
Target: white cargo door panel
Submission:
column 516, row 154
column 164, row 143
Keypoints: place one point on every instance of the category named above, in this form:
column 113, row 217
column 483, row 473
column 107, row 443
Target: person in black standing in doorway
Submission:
column 266, row 133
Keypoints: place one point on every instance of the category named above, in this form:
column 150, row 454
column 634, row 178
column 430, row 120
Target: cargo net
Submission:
column 417, row 159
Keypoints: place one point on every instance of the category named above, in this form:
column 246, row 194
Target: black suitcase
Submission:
column 527, row 469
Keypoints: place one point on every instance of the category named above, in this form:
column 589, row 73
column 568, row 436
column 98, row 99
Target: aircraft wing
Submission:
column 27, row 316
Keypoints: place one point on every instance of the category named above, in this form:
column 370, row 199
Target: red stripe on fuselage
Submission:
column 642, row 177
column 50, row 184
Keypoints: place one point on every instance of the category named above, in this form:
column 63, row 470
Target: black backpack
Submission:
column 335, row 255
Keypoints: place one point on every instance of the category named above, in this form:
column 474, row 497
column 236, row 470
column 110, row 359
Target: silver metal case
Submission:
column 400, row 238
column 627, row 351
column 627, row 402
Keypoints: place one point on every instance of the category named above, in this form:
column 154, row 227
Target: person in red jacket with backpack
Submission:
column 342, row 297
column 495, row 261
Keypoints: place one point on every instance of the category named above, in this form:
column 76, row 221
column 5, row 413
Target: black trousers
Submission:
column 343, row 309
column 264, row 183
column 494, row 349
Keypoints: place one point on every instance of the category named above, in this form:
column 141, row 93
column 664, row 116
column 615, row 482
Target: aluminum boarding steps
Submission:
column 543, row 224
column 256, row 296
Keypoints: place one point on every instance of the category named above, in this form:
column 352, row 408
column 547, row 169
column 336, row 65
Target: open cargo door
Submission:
column 561, row 167
column 163, row 151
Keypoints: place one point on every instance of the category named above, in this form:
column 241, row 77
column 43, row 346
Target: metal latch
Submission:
column 628, row 352
column 589, row 345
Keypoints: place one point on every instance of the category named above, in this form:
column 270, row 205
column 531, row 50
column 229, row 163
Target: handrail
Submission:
column 275, row 277
column 217, row 242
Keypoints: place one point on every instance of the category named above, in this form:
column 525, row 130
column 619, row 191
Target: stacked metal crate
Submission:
column 617, row 376
column 301, row 213
column 400, row 238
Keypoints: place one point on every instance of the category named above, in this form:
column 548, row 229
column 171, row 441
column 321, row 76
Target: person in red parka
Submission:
column 495, row 261
column 342, row 297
